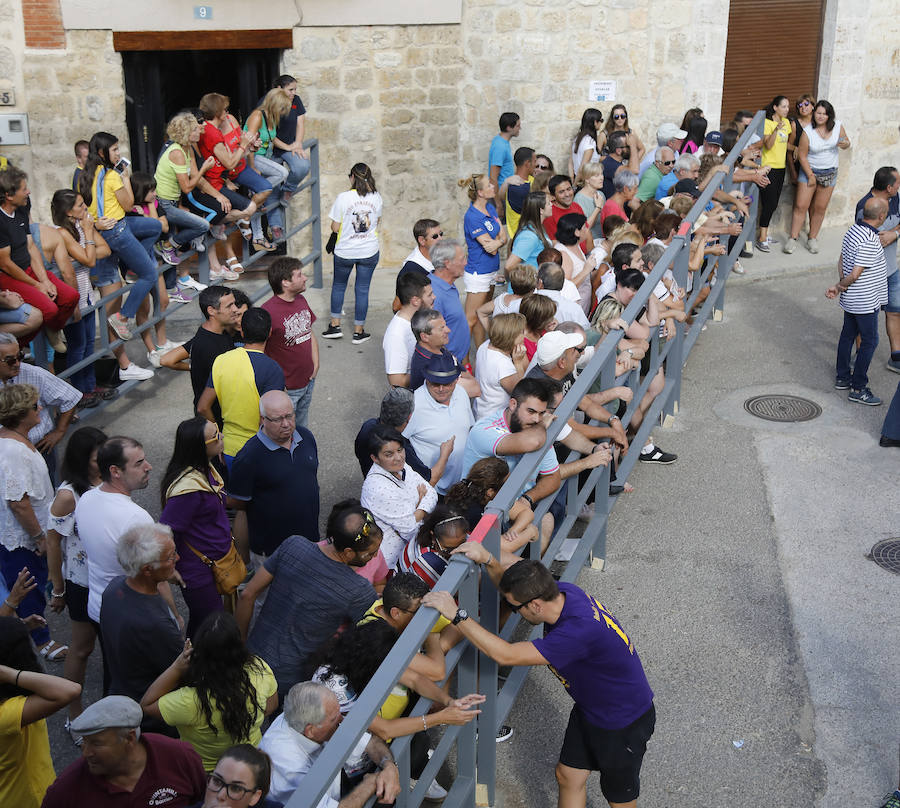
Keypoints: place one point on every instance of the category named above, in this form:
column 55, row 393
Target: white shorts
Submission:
column 479, row 283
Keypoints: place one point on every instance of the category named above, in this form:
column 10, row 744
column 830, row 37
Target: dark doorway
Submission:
column 160, row 83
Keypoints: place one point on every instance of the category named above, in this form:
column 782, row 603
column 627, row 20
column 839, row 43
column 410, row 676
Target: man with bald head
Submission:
column 662, row 164
column 273, row 482
column 863, row 290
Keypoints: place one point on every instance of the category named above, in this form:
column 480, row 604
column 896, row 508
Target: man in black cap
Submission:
column 116, row 760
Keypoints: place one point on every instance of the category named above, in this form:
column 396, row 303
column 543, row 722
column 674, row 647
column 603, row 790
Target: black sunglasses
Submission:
column 14, row 360
column 666, row 162
column 620, row 116
column 516, row 608
column 436, row 236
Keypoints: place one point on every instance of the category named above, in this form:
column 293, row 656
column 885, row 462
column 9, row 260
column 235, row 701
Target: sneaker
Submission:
column 504, row 733
column 218, row 232
column 130, row 277
column 738, row 269
column 891, row 800
column 277, row 234
column 864, row 396
column 170, row 255
column 893, row 364
column 177, row 296
column 435, row 791
column 198, row 244
column 813, row 245
column 586, row 513
column 789, row 246
column 167, row 346
column 841, row 384
column 153, row 357
column 134, row 371
column 56, row 339
column 657, row 455
column 223, row 275
column 332, row 332
column 359, row 337
column 187, row 282
column 88, row 400
column 120, row 325
column 763, row 246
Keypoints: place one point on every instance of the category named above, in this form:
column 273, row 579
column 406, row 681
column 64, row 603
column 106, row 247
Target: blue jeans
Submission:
column 11, row 563
column 301, row 398
column 298, row 168
column 276, row 174
column 188, row 225
column 866, row 327
column 129, row 240
column 365, row 268
column 80, row 339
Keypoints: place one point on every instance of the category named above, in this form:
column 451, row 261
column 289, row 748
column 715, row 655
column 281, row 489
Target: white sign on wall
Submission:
column 602, row 90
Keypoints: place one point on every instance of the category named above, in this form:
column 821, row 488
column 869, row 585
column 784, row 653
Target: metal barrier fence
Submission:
column 476, row 753
column 105, row 346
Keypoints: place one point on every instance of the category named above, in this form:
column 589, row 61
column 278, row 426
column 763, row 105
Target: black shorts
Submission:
column 616, row 753
column 76, row 602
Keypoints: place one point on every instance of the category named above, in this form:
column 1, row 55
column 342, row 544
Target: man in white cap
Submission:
column 669, row 135
column 116, row 760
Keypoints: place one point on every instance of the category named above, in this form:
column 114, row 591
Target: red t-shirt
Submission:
column 612, row 208
column 553, row 219
column 290, row 343
column 173, row 777
column 209, row 137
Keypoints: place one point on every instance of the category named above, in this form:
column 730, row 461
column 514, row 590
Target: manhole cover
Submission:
column 782, row 408
column 886, row 554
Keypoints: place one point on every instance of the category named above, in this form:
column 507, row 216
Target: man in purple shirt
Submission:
column 590, row 653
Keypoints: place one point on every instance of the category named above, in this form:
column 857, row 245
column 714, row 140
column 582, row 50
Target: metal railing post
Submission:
column 316, row 214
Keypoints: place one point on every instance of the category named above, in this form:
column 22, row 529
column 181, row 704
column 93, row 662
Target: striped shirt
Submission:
column 868, row 293
column 422, row 562
column 52, row 392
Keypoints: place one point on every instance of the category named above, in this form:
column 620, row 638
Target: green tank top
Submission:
column 267, row 134
column 167, row 186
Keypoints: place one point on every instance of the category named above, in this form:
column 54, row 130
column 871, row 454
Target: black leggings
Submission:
column 768, row 196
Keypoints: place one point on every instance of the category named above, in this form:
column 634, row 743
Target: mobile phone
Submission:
column 122, row 165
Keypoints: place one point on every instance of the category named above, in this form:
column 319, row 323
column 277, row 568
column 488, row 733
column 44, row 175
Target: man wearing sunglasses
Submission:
column 427, row 233
column 53, row 394
column 591, row 654
column 663, row 163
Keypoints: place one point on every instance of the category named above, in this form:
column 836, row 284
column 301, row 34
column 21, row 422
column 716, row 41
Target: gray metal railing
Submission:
column 98, row 309
column 476, row 753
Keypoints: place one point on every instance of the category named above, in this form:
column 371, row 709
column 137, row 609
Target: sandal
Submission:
column 244, row 227
column 263, row 244
column 54, row 652
column 233, row 264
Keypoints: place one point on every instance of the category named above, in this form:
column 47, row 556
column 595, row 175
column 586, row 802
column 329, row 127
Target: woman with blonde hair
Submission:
column 263, row 122
column 590, row 194
column 500, row 363
column 485, row 235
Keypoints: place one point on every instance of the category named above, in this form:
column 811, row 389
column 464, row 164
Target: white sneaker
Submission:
column 167, row 346
column 738, row 268
column 134, row 371
column 223, row 275
column 190, row 283
column 198, row 244
column 435, row 791
column 153, row 357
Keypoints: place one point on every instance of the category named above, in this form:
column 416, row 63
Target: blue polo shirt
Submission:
column 446, row 301
column 280, row 487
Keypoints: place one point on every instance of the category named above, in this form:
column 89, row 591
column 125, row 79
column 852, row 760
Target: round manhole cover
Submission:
column 886, row 554
column 782, row 408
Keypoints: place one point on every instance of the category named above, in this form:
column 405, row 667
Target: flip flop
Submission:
column 244, row 227
column 54, row 651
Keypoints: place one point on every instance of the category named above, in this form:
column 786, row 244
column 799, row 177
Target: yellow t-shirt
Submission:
column 181, row 709
column 112, row 182
column 776, row 156
column 26, row 768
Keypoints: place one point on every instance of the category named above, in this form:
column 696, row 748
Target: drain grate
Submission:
column 785, row 409
column 886, row 554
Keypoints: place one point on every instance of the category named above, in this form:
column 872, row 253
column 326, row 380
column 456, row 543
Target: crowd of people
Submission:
column 285, row 626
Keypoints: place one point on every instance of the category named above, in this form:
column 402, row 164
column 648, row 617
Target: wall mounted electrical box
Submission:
column 14, row 129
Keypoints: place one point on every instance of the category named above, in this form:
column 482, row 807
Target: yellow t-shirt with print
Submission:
column 776, row 156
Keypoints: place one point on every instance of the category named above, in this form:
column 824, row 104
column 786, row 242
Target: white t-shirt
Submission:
column 358, row 217
column 586, row 142
column 101, row 518
column 22, row 471
column 506, row 304
column 491, row 366
column 398, row 343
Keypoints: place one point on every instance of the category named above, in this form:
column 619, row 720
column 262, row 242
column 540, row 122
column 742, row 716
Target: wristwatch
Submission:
column 461, row 614
column 528, row 499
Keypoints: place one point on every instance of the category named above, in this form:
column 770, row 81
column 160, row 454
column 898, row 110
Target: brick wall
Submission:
column 43, row 24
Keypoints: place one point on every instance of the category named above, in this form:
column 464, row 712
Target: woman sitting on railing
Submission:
column 263, row 123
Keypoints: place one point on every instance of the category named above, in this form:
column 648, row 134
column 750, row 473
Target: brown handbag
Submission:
column 228, row 572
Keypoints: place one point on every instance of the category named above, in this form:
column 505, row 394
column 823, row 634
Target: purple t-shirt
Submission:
column 590, row 653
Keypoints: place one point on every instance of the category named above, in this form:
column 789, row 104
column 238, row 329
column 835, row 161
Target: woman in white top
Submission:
column 354, row 225
column 571, row 229
column 66, row 557
column 818, row 156
column 523, row 281
column 397, row 496
column 24, row 506
column 584, row 146
column 500, row 363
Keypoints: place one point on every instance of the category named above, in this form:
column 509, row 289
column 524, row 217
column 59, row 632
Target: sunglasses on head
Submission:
column 367, row 527
column 15, row 359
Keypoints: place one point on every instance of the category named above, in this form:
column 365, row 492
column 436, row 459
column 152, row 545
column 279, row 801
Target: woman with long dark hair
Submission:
column 66, row 558
column 242, row 769
column 618, row 122
column 354, row 225
column 193, row 505
column 696, row 135
column 777, row 131
column 584, row 145
column 27, row 697
column 216, row 693
column 530, row 238
column 108, row 194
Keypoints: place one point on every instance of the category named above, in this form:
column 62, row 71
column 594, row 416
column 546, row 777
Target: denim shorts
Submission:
column 106, row 272
column 13, row 316
column 802, row 179
column 893, row 304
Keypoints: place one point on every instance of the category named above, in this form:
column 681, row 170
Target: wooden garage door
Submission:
column 773, row 49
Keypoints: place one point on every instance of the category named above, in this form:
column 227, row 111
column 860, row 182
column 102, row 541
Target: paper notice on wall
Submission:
column 602, row 90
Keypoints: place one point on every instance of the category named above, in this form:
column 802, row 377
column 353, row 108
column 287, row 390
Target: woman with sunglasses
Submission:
column 25, row 507
column 818, row 156
column 397, row 496
column 618, row 122
column 193, row 505
column 805, row 105
column 240, row 779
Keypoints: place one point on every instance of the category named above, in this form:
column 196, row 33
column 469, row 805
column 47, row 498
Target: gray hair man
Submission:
column 433, row 335
column 668, row 134
column 449, row 259
column 662, row 163
column 687, row 167
column 296, row 739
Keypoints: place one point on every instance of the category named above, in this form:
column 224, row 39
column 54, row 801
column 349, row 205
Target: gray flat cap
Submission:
column 111, row 712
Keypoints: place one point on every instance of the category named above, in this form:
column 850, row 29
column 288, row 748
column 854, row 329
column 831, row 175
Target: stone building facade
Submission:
column 419, row 102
